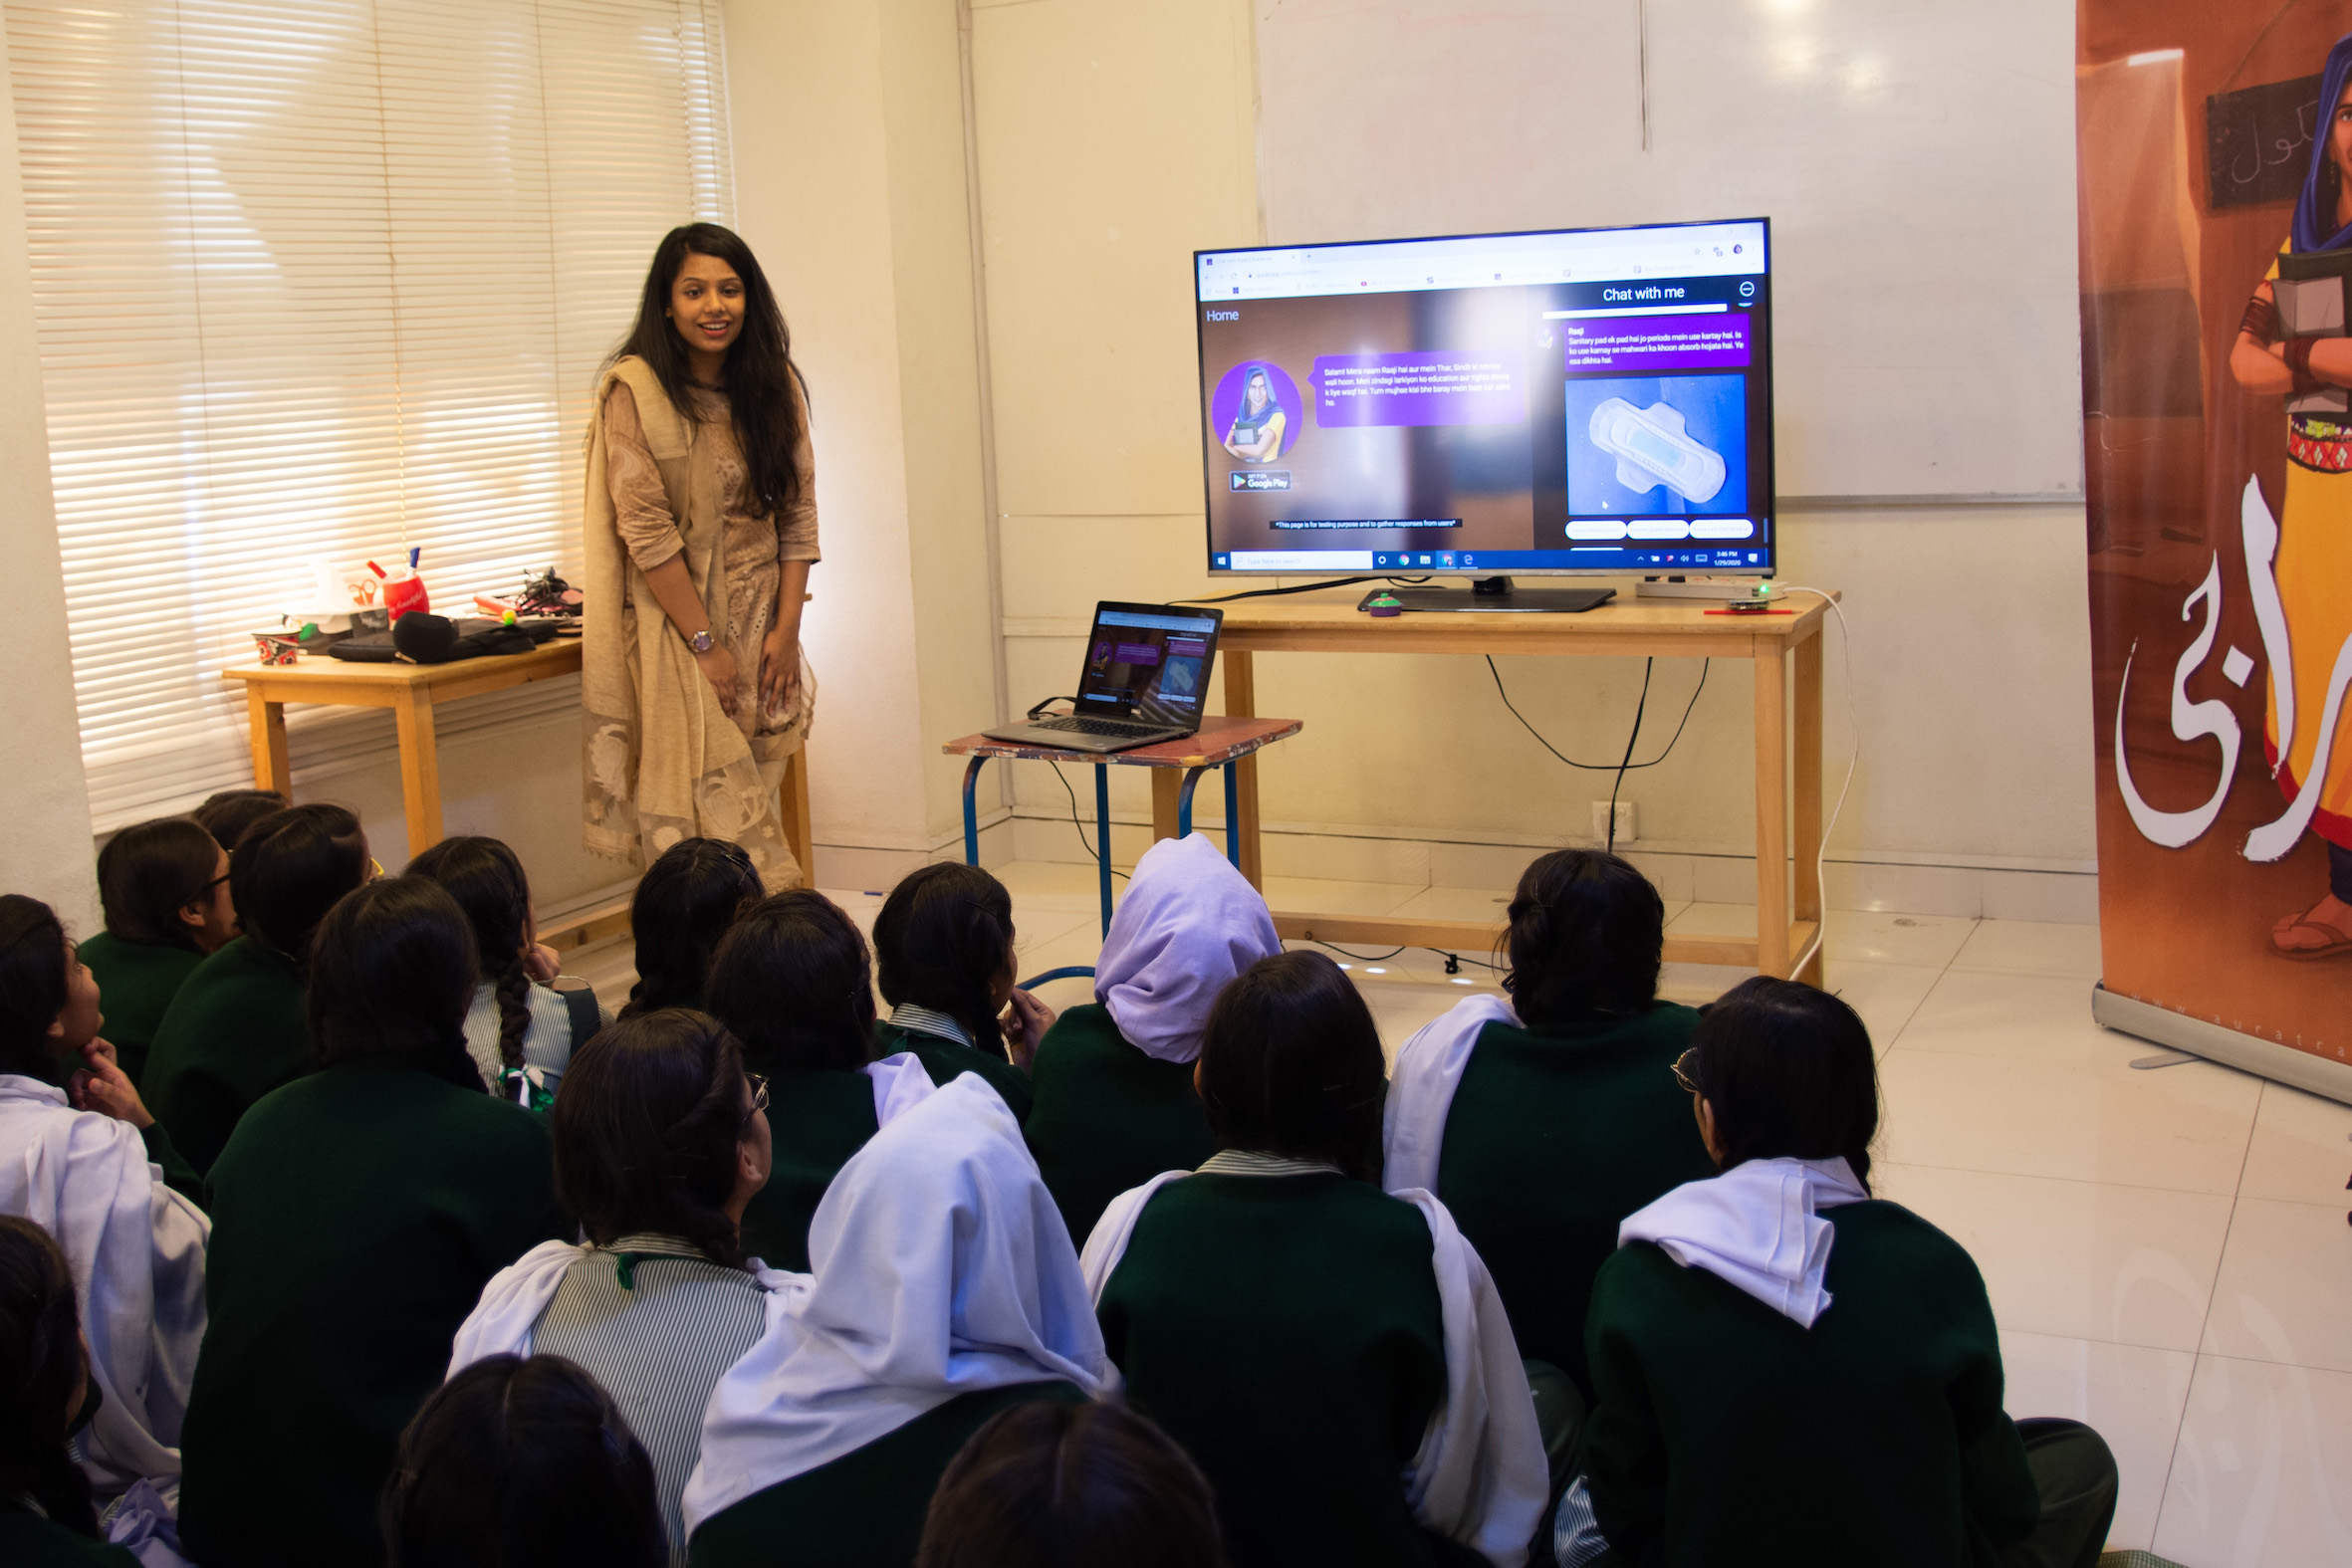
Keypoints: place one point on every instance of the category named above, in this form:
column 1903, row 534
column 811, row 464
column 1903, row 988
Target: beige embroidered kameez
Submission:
column 663, row 761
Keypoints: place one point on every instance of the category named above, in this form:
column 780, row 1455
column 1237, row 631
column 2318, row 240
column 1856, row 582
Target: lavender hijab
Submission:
column 2315, row 230
column 1189, row 924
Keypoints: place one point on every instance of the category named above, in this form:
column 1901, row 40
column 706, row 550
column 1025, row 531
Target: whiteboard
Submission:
column 1916, row 158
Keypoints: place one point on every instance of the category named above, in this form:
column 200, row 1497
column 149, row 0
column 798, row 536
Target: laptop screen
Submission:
column 1151, row 659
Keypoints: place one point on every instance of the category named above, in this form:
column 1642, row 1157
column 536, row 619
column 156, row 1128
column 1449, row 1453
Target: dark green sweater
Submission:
column 135, row 984
column 864, row 1510
column 1285, row 1330
column 357, row 1216
column 946, row 1060
column 233, row 1034
column 1555, row 1135
column 1727, row 1432
column 1108, row 1117
column 817, row 1118
column 27, row 1540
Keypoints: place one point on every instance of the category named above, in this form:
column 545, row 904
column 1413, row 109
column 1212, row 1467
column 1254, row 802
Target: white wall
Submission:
column 45, row 846
column 1114, row 139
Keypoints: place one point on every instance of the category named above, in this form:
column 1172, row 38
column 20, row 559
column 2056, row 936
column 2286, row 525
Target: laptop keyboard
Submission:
column 1109, row 727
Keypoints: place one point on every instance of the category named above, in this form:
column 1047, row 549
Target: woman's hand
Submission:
column 1026, row 1022
column 102, row 1086
column 780, row 667
column 718, row 668
column 542, row 963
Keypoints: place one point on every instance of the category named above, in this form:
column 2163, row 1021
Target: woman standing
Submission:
column 701, row 527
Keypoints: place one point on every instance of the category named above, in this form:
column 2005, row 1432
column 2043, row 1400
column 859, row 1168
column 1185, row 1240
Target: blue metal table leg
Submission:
column 972, row 809
column 1233, row 816
column 1192, row 776
column 1102, row 837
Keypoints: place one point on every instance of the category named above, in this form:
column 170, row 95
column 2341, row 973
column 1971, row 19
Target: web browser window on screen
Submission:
column 1154, row 664
column 1594, row 400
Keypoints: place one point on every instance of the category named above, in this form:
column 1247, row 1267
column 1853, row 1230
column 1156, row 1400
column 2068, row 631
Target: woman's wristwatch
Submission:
column 701, row 641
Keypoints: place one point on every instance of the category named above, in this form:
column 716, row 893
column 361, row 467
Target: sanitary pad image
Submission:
column 1659, row 444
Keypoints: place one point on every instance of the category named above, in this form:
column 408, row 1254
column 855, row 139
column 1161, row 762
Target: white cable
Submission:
column 1821, row 858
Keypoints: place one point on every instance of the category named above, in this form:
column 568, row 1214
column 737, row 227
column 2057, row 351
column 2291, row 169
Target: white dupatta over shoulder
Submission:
column 137, row 1248
column 938, row 1266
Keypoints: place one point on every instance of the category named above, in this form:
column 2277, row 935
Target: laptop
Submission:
column 1147, row 669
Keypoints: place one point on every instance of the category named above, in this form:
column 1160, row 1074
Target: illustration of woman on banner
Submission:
column 1257, row 433
column 2315, row 562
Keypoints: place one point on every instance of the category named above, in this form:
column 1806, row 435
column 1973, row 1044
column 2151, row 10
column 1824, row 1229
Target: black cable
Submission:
column 1647, row 665
column 1076, row 825
column 1601, row 768
column 1299, row 588
column 1360, row 957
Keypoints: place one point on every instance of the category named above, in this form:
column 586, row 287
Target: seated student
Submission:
column 165, row 889
column 47, row 1519
column 228, row 812
column 685, row 902
column 516, row 1463
column 137, row 1247
column 1334, row 1358
column 793, row 986
column 360, row 1211
column 1053, row 1485
column 660, row 1141
column 1113, row 1082
column 235, row 1030
column 517, row 1028
column 1544, row 1122
column 944, row 946
column 942, row 1292
column 1790, row 1371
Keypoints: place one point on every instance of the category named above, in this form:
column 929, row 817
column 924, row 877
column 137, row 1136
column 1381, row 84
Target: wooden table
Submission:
column 411, row 691
column 1177, row 766
column 1788, row 817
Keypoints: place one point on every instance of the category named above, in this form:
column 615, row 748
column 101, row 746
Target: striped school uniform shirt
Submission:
column 657, row 1323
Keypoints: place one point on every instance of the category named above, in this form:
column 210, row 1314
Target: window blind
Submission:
column 329, row 278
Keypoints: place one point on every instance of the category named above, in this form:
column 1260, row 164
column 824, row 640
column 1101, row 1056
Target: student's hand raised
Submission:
column 103, row 1087
column 1026, row 1022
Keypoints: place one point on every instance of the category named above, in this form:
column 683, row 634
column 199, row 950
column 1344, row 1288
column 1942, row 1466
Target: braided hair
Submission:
column 486, row 878
column 40, row 1361
column 942, row 941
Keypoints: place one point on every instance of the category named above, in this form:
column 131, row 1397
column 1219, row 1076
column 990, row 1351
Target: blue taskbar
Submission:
column 1606, row 557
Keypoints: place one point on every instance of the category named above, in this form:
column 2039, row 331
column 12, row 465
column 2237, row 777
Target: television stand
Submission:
column 1497, row 595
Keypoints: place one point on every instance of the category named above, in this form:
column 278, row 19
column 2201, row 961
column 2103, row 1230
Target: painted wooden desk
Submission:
column 411, row 691
column 1177, row 766
column 1788, row 811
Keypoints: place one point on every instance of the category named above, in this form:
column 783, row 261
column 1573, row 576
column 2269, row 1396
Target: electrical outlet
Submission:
column 1600, row 822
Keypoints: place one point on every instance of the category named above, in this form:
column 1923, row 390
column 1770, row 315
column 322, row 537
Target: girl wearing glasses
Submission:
column 165, row 889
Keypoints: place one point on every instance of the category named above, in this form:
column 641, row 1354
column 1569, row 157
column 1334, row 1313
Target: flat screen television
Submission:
column 1572, row 401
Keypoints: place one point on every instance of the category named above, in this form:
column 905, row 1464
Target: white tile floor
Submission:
column 2167, row 1250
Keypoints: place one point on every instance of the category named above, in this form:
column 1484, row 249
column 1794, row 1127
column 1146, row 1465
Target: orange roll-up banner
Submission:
column 2214, row 146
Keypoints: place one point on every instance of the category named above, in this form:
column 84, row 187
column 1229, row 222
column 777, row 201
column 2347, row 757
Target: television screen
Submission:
column 1583, row 400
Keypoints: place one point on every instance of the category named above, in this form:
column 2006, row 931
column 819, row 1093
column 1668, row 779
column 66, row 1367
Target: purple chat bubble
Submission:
column 1646, row 344
column 1138, row 653
column 1468, row 387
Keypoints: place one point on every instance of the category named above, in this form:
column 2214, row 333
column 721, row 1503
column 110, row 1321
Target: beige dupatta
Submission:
column 662, row 760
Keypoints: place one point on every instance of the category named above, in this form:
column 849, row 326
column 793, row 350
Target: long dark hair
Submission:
column 40, row 1355
column 1587, row 932
column 944, row 936
column 289, row 868
column 35, row 984
column 793, row 982
column 150, row 872
column 685, row 902
column 516, row 1463
column 391, row 975
column 760, row 369
column 487, row 880
column 1790, row 1074
column 226, row 815
column 1290, row 1064
column 646, row 1130
column 1046, row 1484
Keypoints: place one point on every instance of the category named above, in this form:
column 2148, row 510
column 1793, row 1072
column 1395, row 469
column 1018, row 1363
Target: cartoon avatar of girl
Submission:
column 2315, row 562
column 1257, row 433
